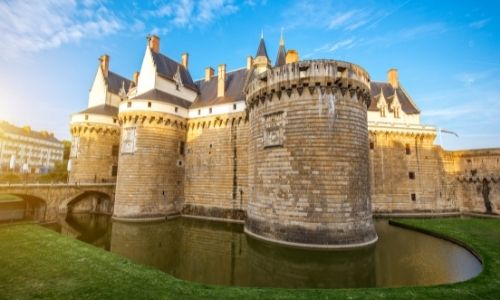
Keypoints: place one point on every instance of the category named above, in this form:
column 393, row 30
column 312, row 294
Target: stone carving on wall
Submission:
column 75, row 145
column 129, row 138
column 274, row 129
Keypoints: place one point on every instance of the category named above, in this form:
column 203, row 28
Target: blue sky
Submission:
column 447, row 52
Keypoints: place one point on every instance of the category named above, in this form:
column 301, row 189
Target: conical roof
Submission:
column 261, row 51
column 281, row 57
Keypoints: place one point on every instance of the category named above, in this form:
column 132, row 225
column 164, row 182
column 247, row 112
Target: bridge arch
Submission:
column 32, row 207
column 88, row 201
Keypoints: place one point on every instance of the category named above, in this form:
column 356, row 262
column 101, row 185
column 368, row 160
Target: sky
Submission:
column 447, row 52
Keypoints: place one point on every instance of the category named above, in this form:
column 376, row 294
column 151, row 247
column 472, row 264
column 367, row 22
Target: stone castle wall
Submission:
column 216, row 180
column 151, row 166
column 475, row 178
column 407, row 174
column 308, row 155
column 94, row 158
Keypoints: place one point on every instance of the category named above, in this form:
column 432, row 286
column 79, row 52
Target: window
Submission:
column 129, row 104
column 413, row 197
column 411, row 175
column 234, row 106
column 407, row 148
column 149, row 104
column 382, row 111
column 86, row 117
column 372, row 145
column 176, row 109
column 114, row 150
column 396, row 112
column 177, row 87
column 199, row 112
column 114, row 171
column 181, row 148
column 210, row 110
column 114, row 121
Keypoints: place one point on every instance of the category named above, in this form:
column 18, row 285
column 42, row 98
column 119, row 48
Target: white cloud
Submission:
column 191, row 13
column 479, row 24
column 341, row 19
column 31, row 26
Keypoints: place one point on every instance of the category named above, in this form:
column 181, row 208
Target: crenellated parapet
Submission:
column 220, row 121
column 90, row 128
column 152, row 118
column 323, row 76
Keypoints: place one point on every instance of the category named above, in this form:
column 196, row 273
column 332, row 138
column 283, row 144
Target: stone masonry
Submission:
column 308, row 155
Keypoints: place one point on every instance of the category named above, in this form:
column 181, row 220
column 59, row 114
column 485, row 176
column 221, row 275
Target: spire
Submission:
column 261, row 51
column 281, row 57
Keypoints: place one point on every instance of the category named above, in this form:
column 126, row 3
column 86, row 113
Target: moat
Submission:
column 220, row 253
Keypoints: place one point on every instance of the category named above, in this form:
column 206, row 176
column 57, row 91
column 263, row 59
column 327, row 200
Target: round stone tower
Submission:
column 151, row 162
column 308, row 155
column 94, row 149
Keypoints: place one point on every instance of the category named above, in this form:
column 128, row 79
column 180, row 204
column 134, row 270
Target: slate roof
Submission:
column 235, row 82
column 105, row 110
column 167, row 68
column 162, row 96
column 261, row 51
column 281, row 57
column 12, row 129
column 407, row 105
column 115, row 82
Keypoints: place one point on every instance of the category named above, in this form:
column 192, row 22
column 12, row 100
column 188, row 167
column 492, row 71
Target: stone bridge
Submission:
column 44, row 202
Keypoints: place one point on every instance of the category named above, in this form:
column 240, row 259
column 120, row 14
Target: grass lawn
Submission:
column 9, row 198
column 36, row 262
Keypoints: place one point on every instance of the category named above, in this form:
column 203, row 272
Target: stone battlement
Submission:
column 310, row 74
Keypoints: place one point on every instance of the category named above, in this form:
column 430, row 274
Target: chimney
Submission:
column 154, row 43
column 221, row 82
column 185, row 60
column 209, row 72
column 135, row 78
column 292, row 56
column 249, row 62
column 104, row 64
column 392, row 78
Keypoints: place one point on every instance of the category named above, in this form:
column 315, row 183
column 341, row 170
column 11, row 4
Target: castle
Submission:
column 302, row 151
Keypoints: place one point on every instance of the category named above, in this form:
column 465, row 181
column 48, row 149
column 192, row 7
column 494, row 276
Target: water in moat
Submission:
column 220, row 253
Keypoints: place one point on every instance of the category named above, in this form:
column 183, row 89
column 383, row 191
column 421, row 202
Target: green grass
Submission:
column 36, row 262
column 9, row 198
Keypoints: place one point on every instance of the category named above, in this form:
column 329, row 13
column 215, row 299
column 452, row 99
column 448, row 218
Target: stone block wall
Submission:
column 407, row 174
column 151, row 166
column 93, row 159
column 216, row 180
column 476, row 179
column 308, row 156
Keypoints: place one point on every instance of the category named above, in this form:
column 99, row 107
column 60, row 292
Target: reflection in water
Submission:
column 220, row 253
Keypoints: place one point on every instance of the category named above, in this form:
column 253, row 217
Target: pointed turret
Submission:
column 262, row 51
column 262, row 61
column 281, row 57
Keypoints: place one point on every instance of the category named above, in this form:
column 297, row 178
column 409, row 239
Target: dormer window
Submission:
column 177, row 79
column 396, row 112
column 382, row 111
column 199, row 112
column 176, row 109
column 210, row 110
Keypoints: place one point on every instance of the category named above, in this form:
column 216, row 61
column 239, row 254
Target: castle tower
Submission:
column 95, row 131
column 308, row 155
column 153, row 122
